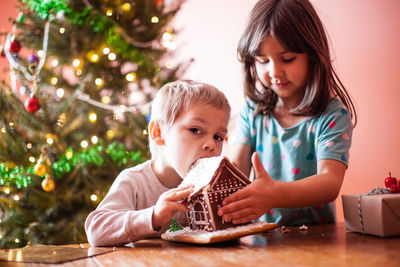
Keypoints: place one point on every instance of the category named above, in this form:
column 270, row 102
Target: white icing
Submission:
column 201, row 173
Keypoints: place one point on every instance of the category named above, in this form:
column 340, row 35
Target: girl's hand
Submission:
column 169, row 203
column 252, row 201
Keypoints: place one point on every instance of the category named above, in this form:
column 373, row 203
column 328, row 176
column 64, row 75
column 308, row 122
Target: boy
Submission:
column 188, row 121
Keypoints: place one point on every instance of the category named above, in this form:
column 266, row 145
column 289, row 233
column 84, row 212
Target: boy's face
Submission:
column 197, row 132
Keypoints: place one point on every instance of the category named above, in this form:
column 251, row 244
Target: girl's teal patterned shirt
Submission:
column 290, row 154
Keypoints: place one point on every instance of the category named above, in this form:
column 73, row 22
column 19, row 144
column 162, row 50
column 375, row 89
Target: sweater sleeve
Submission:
column 116, row 221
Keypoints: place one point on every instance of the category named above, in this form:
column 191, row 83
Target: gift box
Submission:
column 377, row 214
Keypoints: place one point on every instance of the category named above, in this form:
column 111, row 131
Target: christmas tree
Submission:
column 73, row 114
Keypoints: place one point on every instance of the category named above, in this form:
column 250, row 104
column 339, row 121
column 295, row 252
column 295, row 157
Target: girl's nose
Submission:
column 275, row 71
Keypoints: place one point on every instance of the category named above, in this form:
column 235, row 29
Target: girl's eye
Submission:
column 195, row 130
column 218, row 138
column 288, row 59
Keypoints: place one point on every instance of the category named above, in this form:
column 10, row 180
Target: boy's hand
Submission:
column 169, row 203
column 252, row 201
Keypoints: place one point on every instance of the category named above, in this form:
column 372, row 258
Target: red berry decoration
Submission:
column 15, row 46
column 32, row 104
column 390, row 181
column 2, row 53
column 393, row 188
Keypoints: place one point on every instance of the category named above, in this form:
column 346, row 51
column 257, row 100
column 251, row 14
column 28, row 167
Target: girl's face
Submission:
column 197, row 132
column 285, row 72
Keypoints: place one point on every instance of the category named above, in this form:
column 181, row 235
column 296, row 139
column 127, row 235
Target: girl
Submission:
column 297, row 122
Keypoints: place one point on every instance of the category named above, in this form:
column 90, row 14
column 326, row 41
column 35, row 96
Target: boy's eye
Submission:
column 195, row 130
column 219, row 138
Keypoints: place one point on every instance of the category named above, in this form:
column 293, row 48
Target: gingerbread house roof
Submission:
column 206, row 171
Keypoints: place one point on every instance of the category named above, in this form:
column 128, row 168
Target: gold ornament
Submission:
column 40, row 168
column 48, row 184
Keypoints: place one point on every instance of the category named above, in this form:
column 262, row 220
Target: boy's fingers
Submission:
column 175, row 195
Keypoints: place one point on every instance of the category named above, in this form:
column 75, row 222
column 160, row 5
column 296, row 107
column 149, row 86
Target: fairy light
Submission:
column 84, row 144
column 40, row 53
column 76, row 62
column 54, row 62
column 167, row 36
column 92, row 117
column 99, row 82
column 110, row 134
column 60, row 92
column 29, row 146
column 50, row 141
column 169, row 64
column 7, row 190
column 131, row 76
column 16, row 240
column 106, row 50
column 54, row 81
column 32, row 159
column 16, row 197
column 106, row 99
column 109, row 12
column 61, row 30
column 122, row 108
column 11, row 124
column 95, row 58
column 126, row 7
column 3, row 130
column 145, row 132
column 112, row 56
column 154, row 19
column 69, row 154
column 78, row 72
column 94, row 139
column 93, row 197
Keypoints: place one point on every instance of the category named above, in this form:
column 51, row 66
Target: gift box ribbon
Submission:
column 375, row 191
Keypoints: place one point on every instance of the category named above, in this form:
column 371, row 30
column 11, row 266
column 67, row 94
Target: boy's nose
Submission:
column 208, row 146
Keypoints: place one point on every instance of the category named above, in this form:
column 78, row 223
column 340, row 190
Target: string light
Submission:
column 106, row 50
column 54, row 81
column 94, row 139
column 130, row 76
column 3, row 130
column 154, row 19
column 92, row 117
column 126, row 7
column 99, row 82
column 112, row 56
column 32, row 159
column 16, row 240
column 110, row 134
column 40, row 53
column 54, row 62
column 93, row 197
column 84, row 144
column 69, row 154
column 7, row 190
column 11, row 124
column 78, row 72
column 28, row 145
column 62, row 30
column 76, row 62
column 60, row 92
column 109, row 12
column 106, row 99
column 16, row 197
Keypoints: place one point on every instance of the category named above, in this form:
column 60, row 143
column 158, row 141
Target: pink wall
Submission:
column 365, row 38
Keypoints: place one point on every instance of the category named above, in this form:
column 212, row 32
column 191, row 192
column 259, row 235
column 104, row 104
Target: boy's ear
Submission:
column 155, row 133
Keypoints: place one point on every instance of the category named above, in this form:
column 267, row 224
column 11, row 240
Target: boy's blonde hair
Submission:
column 177, row 96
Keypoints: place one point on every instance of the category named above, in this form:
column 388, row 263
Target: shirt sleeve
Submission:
column 116, row 220
column 243, row 132
column 335, row 135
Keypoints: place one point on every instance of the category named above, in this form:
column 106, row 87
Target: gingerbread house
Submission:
column 214, row 179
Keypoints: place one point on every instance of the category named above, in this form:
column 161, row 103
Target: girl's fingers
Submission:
column 232, row 207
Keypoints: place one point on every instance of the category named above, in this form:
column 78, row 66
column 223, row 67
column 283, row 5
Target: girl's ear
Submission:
column 155, row 133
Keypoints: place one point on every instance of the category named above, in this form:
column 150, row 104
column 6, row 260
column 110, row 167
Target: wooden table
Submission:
column 320, row 245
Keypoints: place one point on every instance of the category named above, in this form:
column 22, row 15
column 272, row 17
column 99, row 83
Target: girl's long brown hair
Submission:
column 297, row 26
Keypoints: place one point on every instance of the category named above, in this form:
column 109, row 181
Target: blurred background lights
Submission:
column 99, row 82
column 130, row 76
column 84, row 144
column 112, row 56
column 126, row 7
column 76, row 62
column 62, row 30
column 106, row 99
column 60, row 92
column 154, row 19
column 92, row 117
column 106, row 50
column 94, row 139
column 32, row 159
column 54, row 62
column 93, row 197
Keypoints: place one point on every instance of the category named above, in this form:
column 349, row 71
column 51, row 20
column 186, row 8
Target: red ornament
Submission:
column 15, row 46
column 2, row 53
column 32, row 104
column 390, row 181
column 393, row 188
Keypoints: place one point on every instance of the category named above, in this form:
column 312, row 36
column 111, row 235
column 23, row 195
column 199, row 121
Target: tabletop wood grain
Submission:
column 320, row 245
